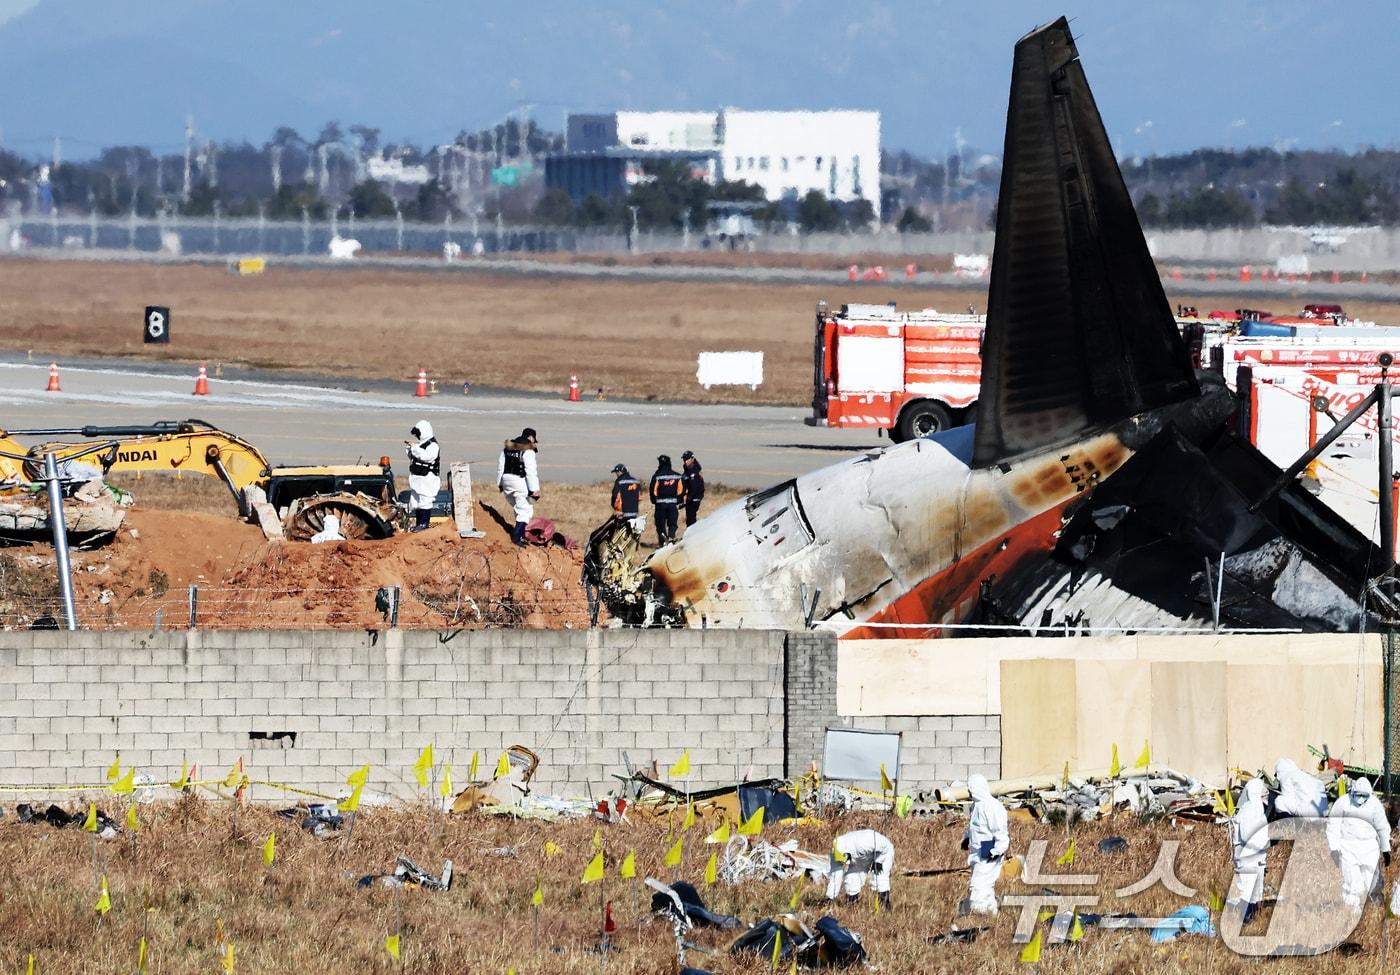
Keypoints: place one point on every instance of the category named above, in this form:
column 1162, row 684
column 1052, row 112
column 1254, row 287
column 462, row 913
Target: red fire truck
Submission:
column 910, row 373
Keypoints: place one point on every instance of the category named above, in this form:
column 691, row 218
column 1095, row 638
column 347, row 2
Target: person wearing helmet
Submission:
column 1249, row 846
column 424, row 473
column 858, row 858
column 1358, row 834
column 626, row 496
column 986, row 841
column 518, row 477
column 667, row 497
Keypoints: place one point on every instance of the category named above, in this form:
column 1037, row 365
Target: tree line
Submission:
column 497, row 174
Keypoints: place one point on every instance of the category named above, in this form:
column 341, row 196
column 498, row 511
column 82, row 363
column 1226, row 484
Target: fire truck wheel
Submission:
column 921, row 419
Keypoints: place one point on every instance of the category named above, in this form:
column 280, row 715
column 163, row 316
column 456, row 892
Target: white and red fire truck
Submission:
column 909, row 374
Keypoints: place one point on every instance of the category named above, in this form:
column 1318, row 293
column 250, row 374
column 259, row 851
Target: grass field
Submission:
column 189, row 876
column 635, row 339
column 632, row 338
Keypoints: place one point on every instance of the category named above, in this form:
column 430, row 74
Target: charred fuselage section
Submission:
column 1098, row 483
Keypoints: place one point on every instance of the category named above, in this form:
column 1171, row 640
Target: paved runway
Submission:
column 315, row 422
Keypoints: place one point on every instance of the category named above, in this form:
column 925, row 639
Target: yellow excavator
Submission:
column 360, row 496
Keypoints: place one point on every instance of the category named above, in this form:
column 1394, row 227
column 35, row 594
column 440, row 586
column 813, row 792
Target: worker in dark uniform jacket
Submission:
column 518, row 477
column 626, row 496
column 668, row 495
column 694, row 486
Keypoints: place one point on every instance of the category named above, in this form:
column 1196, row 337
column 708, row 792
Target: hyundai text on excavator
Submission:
column 298, row 498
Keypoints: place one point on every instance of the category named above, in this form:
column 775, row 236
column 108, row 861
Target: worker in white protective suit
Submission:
column 1299, row 794
column 518, row 477
column 330, row 532
column 424, row 473
column 1358, row 834
column 860, row 857
column 1249, row 845
column 986, row 841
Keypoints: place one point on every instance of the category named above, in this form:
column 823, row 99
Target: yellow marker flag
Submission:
column 125, row 785
column 30, row 969
column 836, row 853
column 503, row 766
column 1064, row 776
column 270, row 850
column 885, row 784
column 358, row 779
column 628, row 870
column 594, row 871
column 1144, row 759
column 351, row 803
column 391, row 945
column 424, row 765
column 183, row 781
column 712, row 869
column 104, row 899
column 754, row 824
column 682, row 766
column 1229, row 803
column 551, row 849
column 234, row 774
column 1076, row 930
column 90, row 823
column 597, row 837
column 720, row 835
column 1066, row 858
column 1113, row 769
column 471, row 773
column 1341, row 790
column 228, row 959
column 537, row 898
column 689, row 820
column 141, row 956
column 445, row 789
column 777, row 947
column 114, row 772
column 1030, row 954
column 796, row 897
column 132, row 823
column 673, row 855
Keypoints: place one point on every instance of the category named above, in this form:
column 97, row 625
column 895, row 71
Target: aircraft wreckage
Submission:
column 1102, row 485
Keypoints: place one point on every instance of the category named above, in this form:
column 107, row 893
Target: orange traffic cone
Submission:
column 422, row 389
column 53, row 378
column 201, row 382
column 573, row 396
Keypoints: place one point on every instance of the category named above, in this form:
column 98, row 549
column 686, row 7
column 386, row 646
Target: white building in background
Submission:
column 787, row 153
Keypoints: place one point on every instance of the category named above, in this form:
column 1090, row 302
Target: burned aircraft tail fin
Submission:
column 1079, row 331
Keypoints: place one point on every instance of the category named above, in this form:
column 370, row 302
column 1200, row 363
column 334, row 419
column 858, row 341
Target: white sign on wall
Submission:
column 855, row 754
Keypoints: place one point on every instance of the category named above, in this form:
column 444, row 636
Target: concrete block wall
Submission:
column 70, row 702
column 939, row 749
column 811, row 698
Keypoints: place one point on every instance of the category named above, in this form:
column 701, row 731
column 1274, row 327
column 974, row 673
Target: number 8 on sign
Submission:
column 157, row 324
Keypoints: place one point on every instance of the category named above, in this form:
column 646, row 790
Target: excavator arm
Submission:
column 191, row 446
column 360, row 496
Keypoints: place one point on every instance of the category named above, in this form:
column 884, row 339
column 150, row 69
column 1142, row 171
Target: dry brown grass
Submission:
column 305, row 914
column 635, row 339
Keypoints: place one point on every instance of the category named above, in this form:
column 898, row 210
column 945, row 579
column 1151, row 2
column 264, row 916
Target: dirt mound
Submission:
column 245, row 582
column 444, row 581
